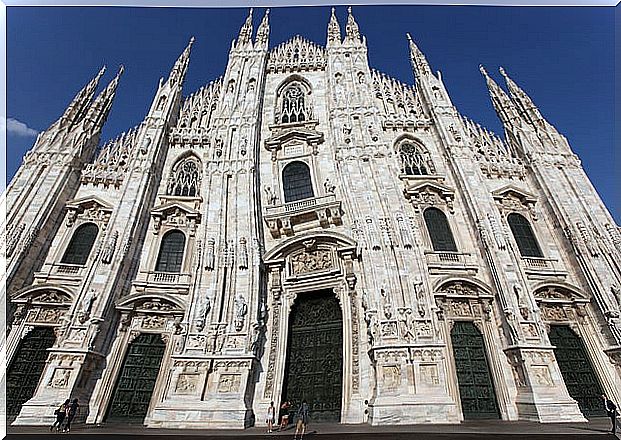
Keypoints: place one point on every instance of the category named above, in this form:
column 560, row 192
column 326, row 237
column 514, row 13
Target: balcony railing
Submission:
column 282, row 218
column 450, row 260
column 71, row 269
column 543, row 266
column 168, row 278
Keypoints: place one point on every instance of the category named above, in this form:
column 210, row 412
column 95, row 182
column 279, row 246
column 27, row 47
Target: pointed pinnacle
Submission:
column 483, row 71
column 502, row 72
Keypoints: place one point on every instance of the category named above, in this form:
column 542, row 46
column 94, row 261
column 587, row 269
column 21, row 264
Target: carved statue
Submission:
column 241, row 309
column 329, row 186
column 524, row 311
column 386, row 304
column 87, row 304
column 272, row 198
column 616, row 293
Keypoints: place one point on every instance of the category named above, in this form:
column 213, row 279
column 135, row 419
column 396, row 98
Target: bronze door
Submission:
column 25, row 370
column 476, row 389
column 577, row 371
column 137, row 379
column 314, row 369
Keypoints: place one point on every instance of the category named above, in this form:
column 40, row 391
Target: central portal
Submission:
column 314, row 368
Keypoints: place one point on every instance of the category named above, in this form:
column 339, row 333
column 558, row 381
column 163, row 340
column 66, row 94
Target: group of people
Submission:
column 301, row 416
column 65, row 414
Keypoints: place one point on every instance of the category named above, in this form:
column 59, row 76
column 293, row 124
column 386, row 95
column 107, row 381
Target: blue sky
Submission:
column 563, row 57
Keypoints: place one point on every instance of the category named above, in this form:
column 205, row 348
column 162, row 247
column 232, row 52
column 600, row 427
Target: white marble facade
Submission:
column 210, row 164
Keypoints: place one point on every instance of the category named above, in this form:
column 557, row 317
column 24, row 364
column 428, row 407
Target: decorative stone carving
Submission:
column 153, row 322
column 542, row 375
column 187, row 383
column 310, row 262
column 243, row 254
column 210, row 257
column 392, row 377
column 429, row 374
column 229, row 383
column 387, row 308
column 60, row 378
column 329, row 187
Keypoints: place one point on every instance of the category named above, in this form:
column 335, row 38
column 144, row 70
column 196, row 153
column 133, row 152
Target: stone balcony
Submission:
column 441, row 262
column 282, row 219
column 537, row 267
column 169, row 282
column 60, row 273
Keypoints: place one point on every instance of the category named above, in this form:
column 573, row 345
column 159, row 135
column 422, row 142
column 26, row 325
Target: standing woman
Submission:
column 302, row 420
column 60, row 415
column 72, row 410
column 271, row 414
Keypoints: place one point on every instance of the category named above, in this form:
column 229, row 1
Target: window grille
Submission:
column 439, row 231
column 524, row 236
column 170, row 258
column 297, row 183
column 81, row 244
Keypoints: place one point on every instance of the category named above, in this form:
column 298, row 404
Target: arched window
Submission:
column 185, row 178
column 81, row 244
column 170, row 258
column 293, row 105
column 524, row 236
column 439, row 231
column 415, row 160
column 296, row 181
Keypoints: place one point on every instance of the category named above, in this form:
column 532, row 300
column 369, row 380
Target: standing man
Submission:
column 611, row 410
column 302, row 420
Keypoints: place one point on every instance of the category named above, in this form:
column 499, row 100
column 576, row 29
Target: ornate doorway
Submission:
column 476, row 390
column 25, row 370
column 577, row 371
column 314, row 367
column 136, row 382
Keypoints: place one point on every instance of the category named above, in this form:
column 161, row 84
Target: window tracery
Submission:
column 415, row 159
column 294, row 106
column 185, row 178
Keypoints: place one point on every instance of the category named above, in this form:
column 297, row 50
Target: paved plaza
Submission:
column 480, row 430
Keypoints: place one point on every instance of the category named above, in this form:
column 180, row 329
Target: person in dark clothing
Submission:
column 611, row 411
column 301, row 420
column 72, row 410
column 60, row 413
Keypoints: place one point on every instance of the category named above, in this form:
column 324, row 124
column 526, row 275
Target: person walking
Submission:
column 73, row 409
column 60, row 413
column 301, row 420
column 611, row 411
column 271, row 415
column 284, row 412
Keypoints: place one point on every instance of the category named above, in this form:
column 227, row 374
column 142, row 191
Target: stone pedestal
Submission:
column 542, row 395
column 198, row 399
column 412, row 387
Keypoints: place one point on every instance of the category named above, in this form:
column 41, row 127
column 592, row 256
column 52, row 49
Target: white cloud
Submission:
column 14, row 127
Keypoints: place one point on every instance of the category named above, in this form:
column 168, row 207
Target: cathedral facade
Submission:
column 306, row 227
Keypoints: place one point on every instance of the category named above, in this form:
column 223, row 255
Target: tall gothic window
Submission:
column 293, row 105
column 297, row 183
column 81, row 244
column 439, row 231
column 185, row 178
column 524, row 236
column 170, row 258
column 415, row 159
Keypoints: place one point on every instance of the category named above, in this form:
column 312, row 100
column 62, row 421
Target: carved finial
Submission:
column 334, row 30
column 352, row 33
column 483, row 71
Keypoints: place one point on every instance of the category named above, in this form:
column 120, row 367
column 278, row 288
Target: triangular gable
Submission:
column 524, row 196
column 83, row 201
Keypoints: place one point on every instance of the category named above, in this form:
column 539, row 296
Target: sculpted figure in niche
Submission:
column 271, row 196
column 329, row 186
column 616, row 293
column 517, row 289
column 386, row 304
column 87, row 305
column 241, row 309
